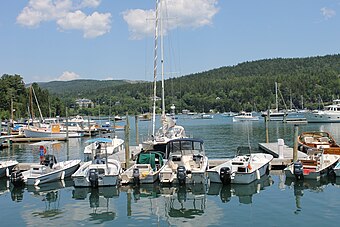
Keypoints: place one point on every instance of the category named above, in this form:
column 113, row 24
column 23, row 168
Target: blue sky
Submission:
column 45, row 40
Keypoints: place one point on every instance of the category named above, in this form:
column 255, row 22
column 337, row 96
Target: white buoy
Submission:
column 258, row 176
column 280, row 143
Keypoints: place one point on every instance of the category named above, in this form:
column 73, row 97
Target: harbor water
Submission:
column 271, row 201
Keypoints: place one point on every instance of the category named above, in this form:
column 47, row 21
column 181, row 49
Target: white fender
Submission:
column 62, row 175
column 7, row 172
column 258, row 176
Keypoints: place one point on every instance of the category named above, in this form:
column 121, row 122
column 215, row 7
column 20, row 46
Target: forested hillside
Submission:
column 246, row 86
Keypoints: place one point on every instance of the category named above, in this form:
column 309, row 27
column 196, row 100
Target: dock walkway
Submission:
column 273, row 149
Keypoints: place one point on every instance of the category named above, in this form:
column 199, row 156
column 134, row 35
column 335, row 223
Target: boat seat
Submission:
column 324, row 140
column 308, row 139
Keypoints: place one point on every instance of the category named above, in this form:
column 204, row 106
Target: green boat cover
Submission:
column 150, row 158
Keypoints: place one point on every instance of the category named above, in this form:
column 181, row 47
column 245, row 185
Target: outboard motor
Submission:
column 17, row 178
column 135, row 174
column 93, row 178
column 298, row 170
column 181, row 175
column 225, row 175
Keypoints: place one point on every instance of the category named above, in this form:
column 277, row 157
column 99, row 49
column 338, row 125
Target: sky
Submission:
column 49, row 40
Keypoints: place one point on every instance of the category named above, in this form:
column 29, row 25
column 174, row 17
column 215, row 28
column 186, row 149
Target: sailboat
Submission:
column 275, row 115
column 49, row 128
column 150, row 159
column 169, row 129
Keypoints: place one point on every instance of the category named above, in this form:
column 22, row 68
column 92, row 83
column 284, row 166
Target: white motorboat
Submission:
column 187, row 162
column 6, row 167
column 104, row 145
column 242, row 169
column 316, row 165
column 245, row 116
column 98, row 172
column 330, row 114
column 145, row 170
column 48, row 170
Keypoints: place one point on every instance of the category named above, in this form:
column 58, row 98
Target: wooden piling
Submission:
column 295, row 148
column 136, row 126
column 127, row 138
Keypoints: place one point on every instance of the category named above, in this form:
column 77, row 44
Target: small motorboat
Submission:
column 243, row 169
column 145, row 170
column 316, row 165
column 6, row 167
column 104, row 145
column 98, row 172
column 186, row 164
column 48, row 170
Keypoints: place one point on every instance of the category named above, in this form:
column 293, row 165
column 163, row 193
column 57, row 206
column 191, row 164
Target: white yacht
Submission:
column 330, row 114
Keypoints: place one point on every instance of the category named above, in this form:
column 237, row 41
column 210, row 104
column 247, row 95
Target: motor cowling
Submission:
column 298, row 170
column 93, row 178
column 225, row 175
column 136, row 176
column 17, row 178
column 181, row 175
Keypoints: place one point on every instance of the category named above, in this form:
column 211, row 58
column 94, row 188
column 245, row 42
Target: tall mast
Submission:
column 277, row 105
column 155, row 71
column 162, row 59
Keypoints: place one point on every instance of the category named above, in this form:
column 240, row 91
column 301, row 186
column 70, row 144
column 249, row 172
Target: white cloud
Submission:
column 68, row 76
column 68, row 15
column 181, row 13
column 93, row 25
column 327, row 12
column 90, row 3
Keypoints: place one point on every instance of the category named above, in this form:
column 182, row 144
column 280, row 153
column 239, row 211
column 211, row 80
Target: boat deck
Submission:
column 273, row 149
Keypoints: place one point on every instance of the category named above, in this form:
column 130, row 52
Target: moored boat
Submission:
column 98, row 172
column 314, row 140
column 330, row 114
column 48, row 170
column 316, row 165
column 243, row 169
column 245, row 116
column 187, row 162
column 145, row 170
column 6, row 167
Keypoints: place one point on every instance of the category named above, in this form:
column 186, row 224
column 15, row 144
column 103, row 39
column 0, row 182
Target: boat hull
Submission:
column 6, row 167
column 31, row 133
column 45, row 178
column 322, row 117
column 249, row 174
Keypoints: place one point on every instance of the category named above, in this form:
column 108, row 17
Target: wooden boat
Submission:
column 243, row 169
column 316, row 165
column 6, row 167
column 245, row 116
column 48, row 170
column 145, row 170
column 318, row 140
column 98, row 172
column 186, row 164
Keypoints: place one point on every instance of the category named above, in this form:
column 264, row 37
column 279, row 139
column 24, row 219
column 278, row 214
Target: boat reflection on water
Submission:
column 185, row 201
column 244, row 192
column 99, row 200
column 300, row 186
column 50, row 194
column 4, row 185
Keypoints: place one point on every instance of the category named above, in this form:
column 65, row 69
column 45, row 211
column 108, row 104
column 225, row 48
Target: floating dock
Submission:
column 273, row 149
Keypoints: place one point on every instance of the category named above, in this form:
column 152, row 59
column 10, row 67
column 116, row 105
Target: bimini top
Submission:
column 100, row 140
column 186, row 139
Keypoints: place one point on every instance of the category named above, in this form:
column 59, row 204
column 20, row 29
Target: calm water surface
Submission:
column 271, row 201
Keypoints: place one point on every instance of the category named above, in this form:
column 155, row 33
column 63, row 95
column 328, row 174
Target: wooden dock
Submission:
column 273, row 149
column 28, row 140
